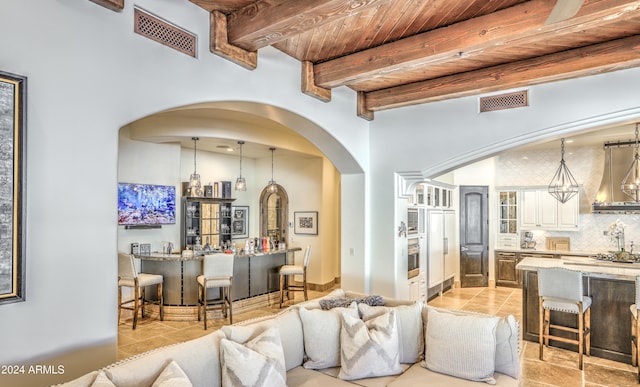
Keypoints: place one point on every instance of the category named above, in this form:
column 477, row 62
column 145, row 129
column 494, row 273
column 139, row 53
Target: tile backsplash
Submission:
column 535, row 168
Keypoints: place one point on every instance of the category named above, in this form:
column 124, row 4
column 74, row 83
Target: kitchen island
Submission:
column 611, row 286
column 255, row 277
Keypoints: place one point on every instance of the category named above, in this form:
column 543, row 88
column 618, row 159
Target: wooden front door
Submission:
column 474, row 236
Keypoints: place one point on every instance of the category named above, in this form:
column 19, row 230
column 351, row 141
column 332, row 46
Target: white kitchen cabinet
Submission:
column 418, row 288
column 442, row 247
column 540, row 210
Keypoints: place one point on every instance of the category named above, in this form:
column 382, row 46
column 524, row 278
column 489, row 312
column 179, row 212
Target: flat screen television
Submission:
column 146, row 204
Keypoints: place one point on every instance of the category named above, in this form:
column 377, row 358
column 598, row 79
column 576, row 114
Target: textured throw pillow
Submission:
column 344, row 302
column 322, row 335
column 172, row 376
column 410, row 329
column 461, row 346
column 258, row 362
column 507, row 339
column 369, row 349
column 102, row 380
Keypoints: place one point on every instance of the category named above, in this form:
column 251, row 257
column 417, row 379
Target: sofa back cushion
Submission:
column 198, row 358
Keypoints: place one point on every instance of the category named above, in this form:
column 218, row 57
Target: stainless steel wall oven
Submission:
column 413, row 257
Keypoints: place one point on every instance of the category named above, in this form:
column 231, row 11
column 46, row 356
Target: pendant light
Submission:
column 241, row 184
column 631, row 183
column 563, row 186
column 195, row 187
column 272, row 187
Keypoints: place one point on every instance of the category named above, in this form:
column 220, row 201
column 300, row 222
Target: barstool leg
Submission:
column 587, row 325
column 204, row 303
column 541, row 329
column 161, row 302
column 136, row 305
column 304, row 284
column 281, row 289
column 580, row 336
column 119, row 303
column 230, row 305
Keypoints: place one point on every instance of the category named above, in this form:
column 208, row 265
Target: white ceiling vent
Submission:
column 164, row 32
column 504, row 101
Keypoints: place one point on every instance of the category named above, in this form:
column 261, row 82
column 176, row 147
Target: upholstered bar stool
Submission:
column 635, row 328
column 128, row 276
column 217, row 272
column 561, row 290
column 291, row 270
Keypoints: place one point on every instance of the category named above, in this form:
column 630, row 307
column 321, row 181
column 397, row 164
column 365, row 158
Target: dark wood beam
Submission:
column 266, row 22
column 361, row 107
column 522, row 24
column 219, row 43
column 309, row 86
column 114, row 5
column 595, row 59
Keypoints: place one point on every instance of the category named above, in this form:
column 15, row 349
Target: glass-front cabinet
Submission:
column 508, row 219
column 206, row 223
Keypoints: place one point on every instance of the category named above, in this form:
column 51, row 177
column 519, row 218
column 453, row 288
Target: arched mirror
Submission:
column 274, row 215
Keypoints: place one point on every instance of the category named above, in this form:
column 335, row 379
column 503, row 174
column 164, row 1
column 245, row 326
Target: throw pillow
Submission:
column 322, row 335
column 461, row 346
column 369, row 349
column 102, row 380
column 343, row 302
column 172, row 376
column 258, row 362
column 410, row 330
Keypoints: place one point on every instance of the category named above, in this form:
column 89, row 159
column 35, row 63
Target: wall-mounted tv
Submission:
column 146, row 204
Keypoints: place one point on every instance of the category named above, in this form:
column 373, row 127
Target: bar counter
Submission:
column 254, row 274
column 611, row 285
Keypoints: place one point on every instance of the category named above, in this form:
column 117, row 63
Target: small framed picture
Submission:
column 239, row 222
column 145, row 248
column 305, row 222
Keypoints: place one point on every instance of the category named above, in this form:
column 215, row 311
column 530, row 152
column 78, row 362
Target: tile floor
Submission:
column 559, row 369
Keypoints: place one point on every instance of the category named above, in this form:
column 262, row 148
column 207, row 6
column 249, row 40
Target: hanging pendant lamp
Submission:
column 272, row 187
column 195, row 186
column 631, row 183
column 563, row 186
column 241, row 184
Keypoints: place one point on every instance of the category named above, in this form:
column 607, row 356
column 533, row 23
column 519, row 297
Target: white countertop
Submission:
column 589, row 266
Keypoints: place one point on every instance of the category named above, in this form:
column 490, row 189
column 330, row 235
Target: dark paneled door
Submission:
column 474, row 236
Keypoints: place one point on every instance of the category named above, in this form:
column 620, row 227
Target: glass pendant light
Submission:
column 631, row 183
column 272, row 187
column 563, row 186
column 241, row 184
column 195, row 187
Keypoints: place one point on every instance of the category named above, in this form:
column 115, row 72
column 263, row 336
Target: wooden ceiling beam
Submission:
column 521, row 24
column 219, row 43
column 114, row 5
column 266, row 22
column 595, row 59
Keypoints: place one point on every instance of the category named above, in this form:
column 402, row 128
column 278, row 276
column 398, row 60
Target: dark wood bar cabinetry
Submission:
column 610, row 315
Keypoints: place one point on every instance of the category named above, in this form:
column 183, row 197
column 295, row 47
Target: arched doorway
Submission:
column 274, row 214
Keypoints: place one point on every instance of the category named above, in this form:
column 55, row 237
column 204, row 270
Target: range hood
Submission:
column 610, row 199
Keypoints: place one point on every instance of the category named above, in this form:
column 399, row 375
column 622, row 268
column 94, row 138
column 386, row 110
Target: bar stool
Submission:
column 635, row 328
column 561, row 290
column 289, row 270
column 217, row 272
column 128, row 276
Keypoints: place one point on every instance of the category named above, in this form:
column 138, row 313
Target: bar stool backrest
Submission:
column 126, row 266
column 638, row 292
column 307, row 254
column 558, row 282
column 219, row 265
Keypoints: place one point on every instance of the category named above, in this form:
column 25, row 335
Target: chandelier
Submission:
column 631, row 183
column 273, row 186
column 241, row 184
column 563, row 185
column 195, row 187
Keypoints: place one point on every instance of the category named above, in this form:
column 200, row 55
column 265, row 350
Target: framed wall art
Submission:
column 239, row 222
column 305, row 222
column 13, row 115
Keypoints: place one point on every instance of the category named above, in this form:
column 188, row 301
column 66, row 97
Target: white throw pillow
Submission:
column 369, row 349
column 322, row 335
column 102, row 380
column 461, row 346
column 410, row 329
column 172, row 376
column 258, row 362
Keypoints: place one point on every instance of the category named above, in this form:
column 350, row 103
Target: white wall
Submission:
column 88, row 76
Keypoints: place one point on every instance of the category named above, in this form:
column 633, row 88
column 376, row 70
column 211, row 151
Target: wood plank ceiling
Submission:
column 404, row 52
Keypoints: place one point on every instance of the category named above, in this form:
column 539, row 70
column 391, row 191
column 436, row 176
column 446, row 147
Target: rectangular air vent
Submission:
column 504, row 101
column 164, row 32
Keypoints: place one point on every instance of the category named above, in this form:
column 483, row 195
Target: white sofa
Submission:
column 454, row 342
